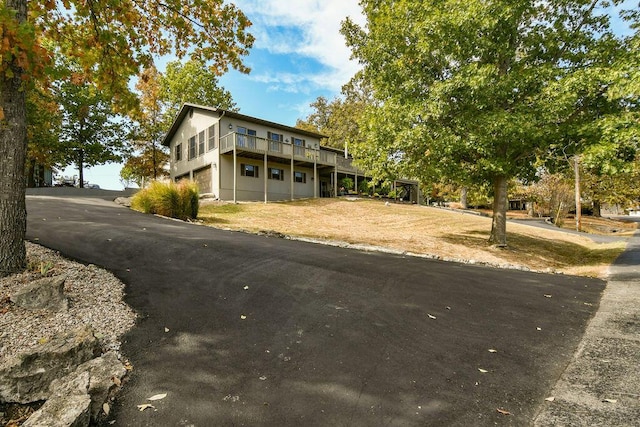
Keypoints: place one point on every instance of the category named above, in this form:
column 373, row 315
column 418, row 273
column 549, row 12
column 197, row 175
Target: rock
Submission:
column 78, row 398
column 124, row 201
column 68, row 406
column 26, row 378
column 102, row 372
column 46, row 293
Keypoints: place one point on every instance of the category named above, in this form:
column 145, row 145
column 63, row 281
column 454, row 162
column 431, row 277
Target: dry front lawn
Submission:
column 422, row 230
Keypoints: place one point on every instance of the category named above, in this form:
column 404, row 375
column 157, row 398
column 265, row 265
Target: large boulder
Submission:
column 46, row 293
column 26, row 378
column 68, row 406
column 105, row 375
column 79, row 397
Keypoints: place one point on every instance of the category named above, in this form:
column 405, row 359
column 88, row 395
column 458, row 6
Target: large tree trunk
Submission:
column 13, row 150
column 463, row 198
column 81, row 168
column 499, row 224
column 597, row 208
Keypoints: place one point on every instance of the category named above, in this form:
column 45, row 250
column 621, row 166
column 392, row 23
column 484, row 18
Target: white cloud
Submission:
column 309, row 28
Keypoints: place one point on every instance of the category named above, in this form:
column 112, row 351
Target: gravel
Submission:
column 95, row 298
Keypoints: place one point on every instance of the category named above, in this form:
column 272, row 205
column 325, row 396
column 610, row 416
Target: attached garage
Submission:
column 202, row 177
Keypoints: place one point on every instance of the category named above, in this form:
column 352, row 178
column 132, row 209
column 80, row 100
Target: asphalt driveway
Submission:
column 240, row 329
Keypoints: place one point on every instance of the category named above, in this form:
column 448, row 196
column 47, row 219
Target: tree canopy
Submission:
column 483, row 92
column 91, row 133
column 339, row 119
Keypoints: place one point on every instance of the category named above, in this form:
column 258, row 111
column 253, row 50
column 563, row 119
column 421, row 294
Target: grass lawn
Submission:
column 422, row 230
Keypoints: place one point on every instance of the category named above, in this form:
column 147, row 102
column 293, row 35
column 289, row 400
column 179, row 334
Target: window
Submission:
column 300, row 177
column 201, row 143
column 246, row 137
column 211, row 141
column 249, row 170
column 275, row 140
column 277, row 174
column 298, row 146
column 178, row 152
column 192, row 147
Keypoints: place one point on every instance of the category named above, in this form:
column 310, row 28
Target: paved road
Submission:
column 273, row 332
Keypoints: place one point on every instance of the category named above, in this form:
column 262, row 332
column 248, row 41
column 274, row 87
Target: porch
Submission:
column 320, row 163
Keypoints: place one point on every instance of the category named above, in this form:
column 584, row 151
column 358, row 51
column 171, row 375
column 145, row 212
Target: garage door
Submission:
column 203, row 178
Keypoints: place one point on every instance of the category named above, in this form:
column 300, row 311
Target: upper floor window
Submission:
column 275, row 141
column 249, row 170
column 178, row 154
column 246, row 137
column 201, row 143
column 192, row 148
column 211, row 140
column 298, row 146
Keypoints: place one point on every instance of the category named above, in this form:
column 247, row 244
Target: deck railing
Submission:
column 277, row 148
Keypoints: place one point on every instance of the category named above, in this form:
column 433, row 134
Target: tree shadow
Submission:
column 538, row 251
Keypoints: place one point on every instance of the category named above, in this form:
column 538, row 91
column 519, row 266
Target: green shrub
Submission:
column 168, row 199
column 364, row 187
column 347, row 183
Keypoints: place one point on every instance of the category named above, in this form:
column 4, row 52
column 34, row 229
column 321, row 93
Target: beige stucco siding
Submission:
column 251, row 188
column 204, row 164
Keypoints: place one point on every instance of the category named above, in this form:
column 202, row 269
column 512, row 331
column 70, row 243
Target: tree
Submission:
column 43, row 133
column 149, row 127
column 91, row 133
column 191, row 82
column 111, row 40
column 479, row 91
column 339, row 118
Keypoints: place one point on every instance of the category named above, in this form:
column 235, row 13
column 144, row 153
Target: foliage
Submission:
column 150, row 158
column 169, row 199
column 480, row 92
column 347, row 183
column 338, row 119
column 90, row 134
column 620, row 188
column 364, row 187
column 139, row 168
column 43, row 130
column 553, row 195
column 191, row 82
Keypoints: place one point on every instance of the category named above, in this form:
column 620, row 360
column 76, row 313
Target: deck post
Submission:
column 266, row 170
column 315, row 176
column 292, row 172
column 235, row 170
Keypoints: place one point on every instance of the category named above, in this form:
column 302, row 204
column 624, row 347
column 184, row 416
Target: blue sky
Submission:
column 298, row 56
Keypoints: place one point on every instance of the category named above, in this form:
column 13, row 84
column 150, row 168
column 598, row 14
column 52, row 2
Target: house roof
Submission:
column 186, row 107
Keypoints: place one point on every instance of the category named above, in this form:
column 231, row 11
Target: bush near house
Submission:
column 179, row 200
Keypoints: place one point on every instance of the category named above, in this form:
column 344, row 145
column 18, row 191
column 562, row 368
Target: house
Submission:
column 237, row 157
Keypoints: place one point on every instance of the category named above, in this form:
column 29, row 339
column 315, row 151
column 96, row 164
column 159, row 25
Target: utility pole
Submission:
column 576, row 167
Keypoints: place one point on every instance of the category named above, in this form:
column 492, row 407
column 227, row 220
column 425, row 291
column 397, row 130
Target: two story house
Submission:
column 241, row 158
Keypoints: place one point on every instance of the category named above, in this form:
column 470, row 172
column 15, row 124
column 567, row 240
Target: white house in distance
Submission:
column 237, row 157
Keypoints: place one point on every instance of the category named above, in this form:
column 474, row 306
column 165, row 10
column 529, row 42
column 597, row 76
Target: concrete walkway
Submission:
column 601, row 385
